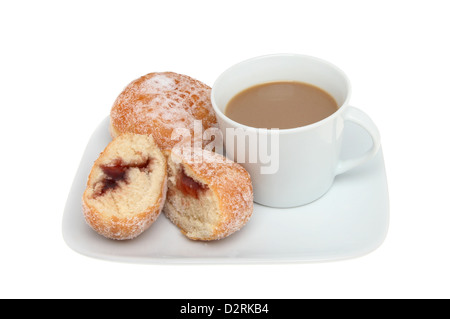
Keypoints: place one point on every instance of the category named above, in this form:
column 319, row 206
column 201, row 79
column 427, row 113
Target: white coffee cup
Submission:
column 309, row 156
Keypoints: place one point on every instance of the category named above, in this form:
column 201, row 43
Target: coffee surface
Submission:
column 281, row 105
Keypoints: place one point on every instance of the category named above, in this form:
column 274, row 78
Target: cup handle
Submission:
column 360, row 118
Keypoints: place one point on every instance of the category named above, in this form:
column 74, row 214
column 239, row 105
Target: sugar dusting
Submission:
column 157, row 84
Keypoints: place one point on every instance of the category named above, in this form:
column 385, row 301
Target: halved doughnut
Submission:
column 126, row 188
column 209, row 197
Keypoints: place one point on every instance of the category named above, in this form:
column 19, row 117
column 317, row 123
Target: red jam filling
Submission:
column 189, row 186
column 117, row 171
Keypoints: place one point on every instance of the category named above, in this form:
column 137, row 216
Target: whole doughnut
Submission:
column 158, row 103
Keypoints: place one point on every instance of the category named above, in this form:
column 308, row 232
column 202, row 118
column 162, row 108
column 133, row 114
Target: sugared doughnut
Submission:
column 158, row 103
column 209, row 197
column 126, row 188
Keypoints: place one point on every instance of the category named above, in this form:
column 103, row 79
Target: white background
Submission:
column 62, row 64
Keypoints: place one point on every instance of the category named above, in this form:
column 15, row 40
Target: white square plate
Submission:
column 349, row 221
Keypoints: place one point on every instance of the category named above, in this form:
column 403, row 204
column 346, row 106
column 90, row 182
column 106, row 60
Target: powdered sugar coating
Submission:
column 158, row 83
column 158, row 103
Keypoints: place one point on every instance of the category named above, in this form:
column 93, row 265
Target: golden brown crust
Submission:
column 158, row 103
column 121, row 227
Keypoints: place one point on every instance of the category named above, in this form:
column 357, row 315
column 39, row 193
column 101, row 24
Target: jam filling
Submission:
column 117, row 172
column 189, row 186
